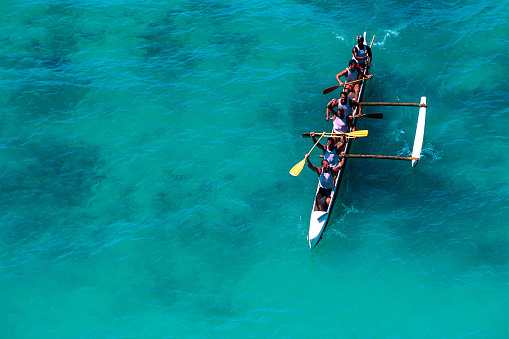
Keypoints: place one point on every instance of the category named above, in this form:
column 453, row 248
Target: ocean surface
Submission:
column 145, row 148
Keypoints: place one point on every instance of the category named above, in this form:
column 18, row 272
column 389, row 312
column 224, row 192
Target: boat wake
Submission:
column 433, row 155
column 339, row 37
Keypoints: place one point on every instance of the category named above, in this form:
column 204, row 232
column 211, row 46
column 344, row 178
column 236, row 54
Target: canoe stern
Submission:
column 316, row 225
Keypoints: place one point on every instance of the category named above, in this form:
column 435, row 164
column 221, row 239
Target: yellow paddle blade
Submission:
column 362, row 133
column 295, row 171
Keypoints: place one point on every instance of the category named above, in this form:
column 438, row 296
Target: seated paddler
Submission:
column 326, row 175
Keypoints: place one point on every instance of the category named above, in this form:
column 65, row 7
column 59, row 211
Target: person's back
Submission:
column 330, row 152
column 345, row 104
column 340, row 124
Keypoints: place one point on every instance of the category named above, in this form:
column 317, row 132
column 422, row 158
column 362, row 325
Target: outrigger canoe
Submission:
column 319, row 219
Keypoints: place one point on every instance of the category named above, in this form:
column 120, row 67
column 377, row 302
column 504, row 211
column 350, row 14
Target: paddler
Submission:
column 352, row 72
column 346, row 106
column 341, row 122
column 362, row 54
column 325, row 181
column 332, row 150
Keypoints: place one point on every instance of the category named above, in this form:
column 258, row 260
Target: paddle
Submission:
column 330, row 89
column 295, row 171
column 371, row 45
column 361, row 133
column 370, row 115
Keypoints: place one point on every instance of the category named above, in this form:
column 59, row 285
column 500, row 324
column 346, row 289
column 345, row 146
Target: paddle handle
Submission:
column 321, row 136
column 333, row 88
column 371, row 45
column 351, row 82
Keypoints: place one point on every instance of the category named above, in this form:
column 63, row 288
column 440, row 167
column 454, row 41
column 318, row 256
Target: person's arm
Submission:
column 340, row 164
column 310, row 165
column 355, row 54
column 349, row 122
column 340, row 145
column 340, row 74
column 357, row 104
column 329, row 110
column 370, row 56
column 364, row 75
column 349, row 119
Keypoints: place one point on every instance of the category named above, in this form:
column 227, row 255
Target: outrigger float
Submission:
column 319, row 219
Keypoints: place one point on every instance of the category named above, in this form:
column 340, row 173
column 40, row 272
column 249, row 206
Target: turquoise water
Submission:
column 145, row 150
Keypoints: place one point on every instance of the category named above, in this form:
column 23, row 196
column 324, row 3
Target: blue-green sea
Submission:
column 145, row 149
